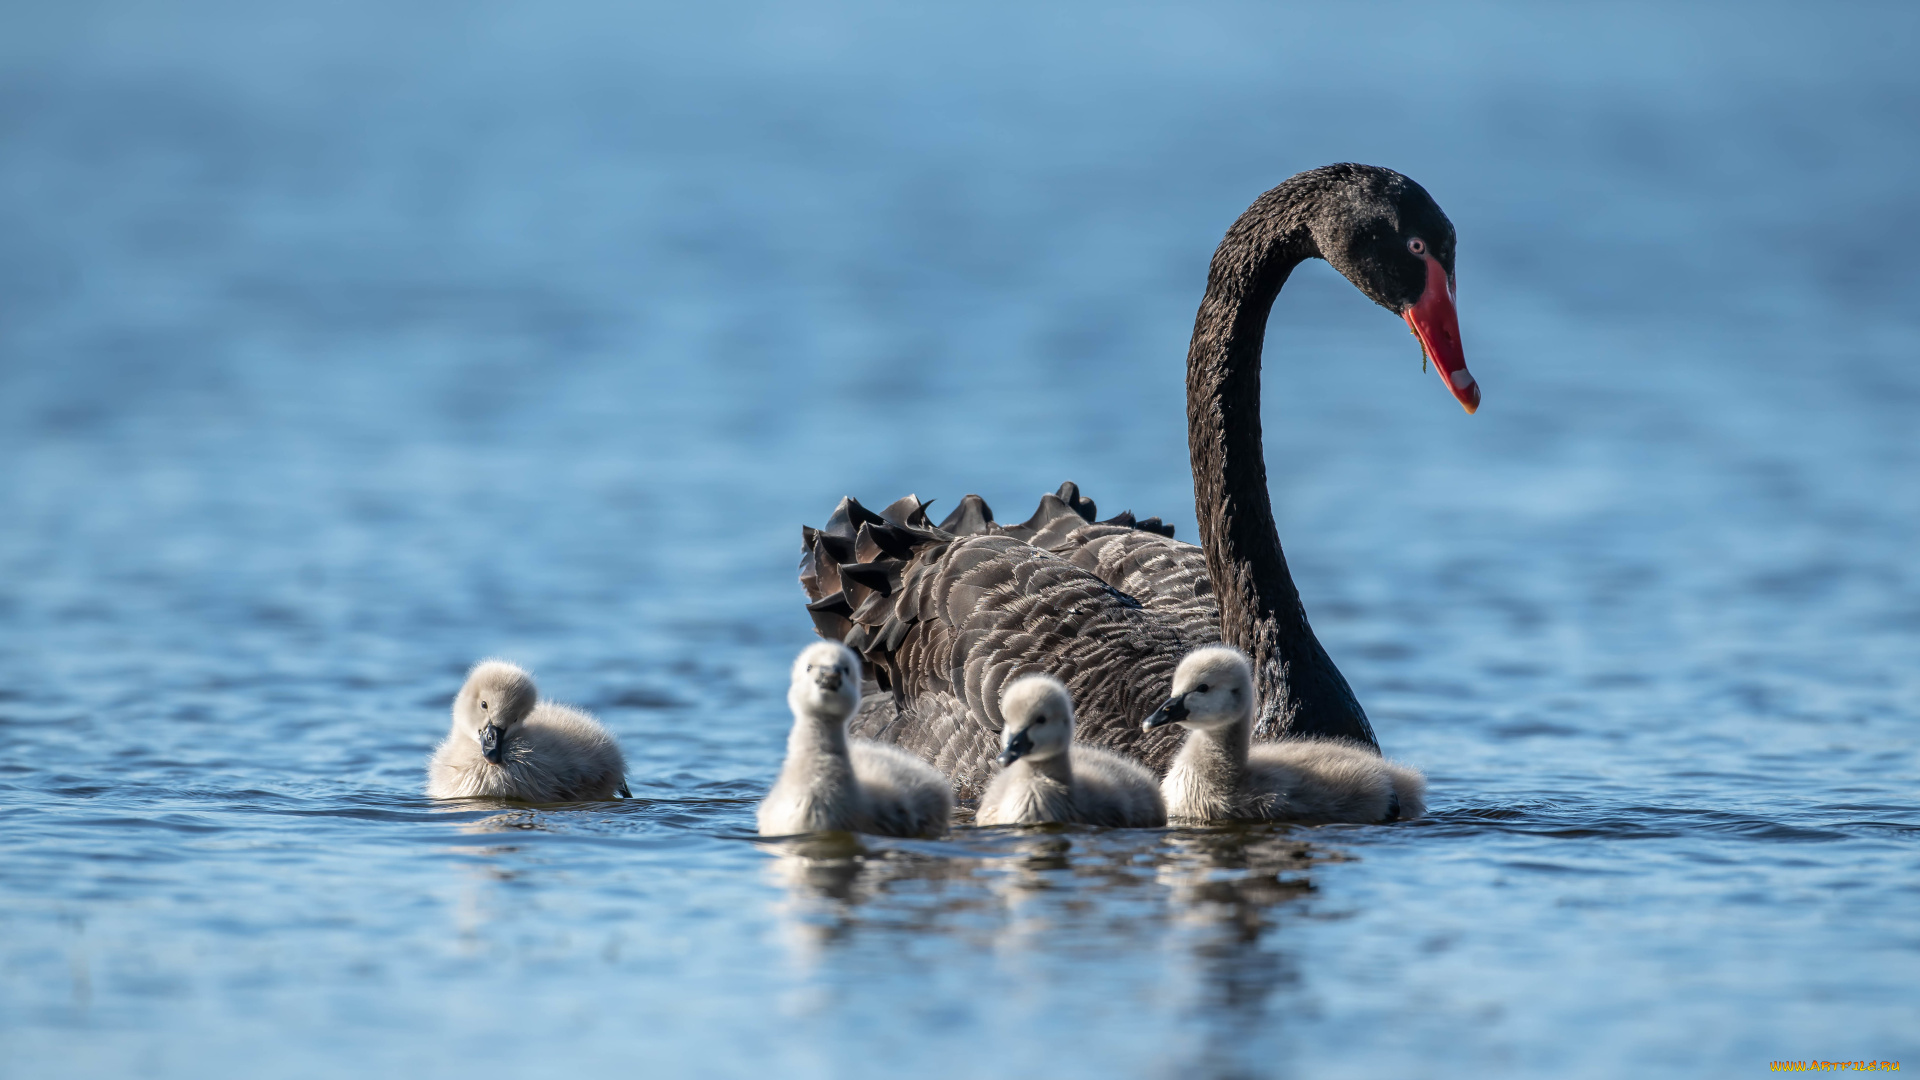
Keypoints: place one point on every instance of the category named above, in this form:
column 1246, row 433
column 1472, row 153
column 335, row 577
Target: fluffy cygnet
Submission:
column 507, row 744
column 831, row 783
column 1048, row 777
column 1221, row 775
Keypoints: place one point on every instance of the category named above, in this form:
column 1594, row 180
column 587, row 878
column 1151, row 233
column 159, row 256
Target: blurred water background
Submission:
column 342, row 345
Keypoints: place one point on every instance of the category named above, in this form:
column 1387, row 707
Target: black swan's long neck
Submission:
column 1302, row 692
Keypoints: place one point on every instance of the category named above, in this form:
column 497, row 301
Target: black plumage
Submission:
column 1107, row 608
column 945, row 616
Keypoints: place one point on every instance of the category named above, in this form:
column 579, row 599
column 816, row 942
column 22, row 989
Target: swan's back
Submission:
column 565, row 754
column 946, row 616
column 1409, row 791
column 1110, row 790
column 1162, row 573
column 904, row 796
column 1331, row 780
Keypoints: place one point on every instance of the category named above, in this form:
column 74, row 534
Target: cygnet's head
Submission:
column 826, row 680
column 497, row 696
column 1039, row 715
column 1212, row 688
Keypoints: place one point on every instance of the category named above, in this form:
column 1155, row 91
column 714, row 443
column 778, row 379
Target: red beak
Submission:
column 1438, row 328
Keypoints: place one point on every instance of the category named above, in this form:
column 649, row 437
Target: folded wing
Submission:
column 946, row 615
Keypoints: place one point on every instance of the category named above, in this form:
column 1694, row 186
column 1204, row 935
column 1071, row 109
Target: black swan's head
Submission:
column 1387, row 236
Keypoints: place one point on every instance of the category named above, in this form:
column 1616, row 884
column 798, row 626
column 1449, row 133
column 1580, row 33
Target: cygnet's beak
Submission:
column 1017, row 747
column 1172, row 712
column 493, row 743
column 828, row 680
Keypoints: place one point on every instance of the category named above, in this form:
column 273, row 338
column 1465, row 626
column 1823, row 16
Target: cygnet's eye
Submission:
column 1417, row 246
column 483, row 703
column 1041, row 719
column 1201, row 689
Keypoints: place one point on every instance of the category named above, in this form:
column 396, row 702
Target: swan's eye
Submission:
column 1417, row 246
column 483, row 704
column 1040, row 719
column 1201, row 689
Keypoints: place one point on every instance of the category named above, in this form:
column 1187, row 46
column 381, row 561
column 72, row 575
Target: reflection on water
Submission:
column 1221, row 899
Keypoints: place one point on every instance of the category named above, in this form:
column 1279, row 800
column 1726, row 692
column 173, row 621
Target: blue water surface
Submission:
column 342, row 345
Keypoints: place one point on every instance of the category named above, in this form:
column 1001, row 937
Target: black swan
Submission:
column 945, row 616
